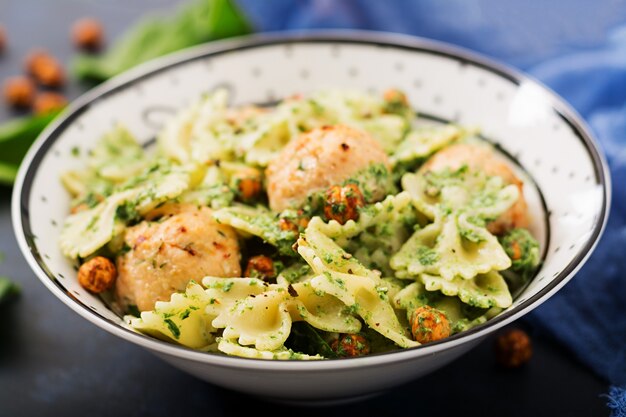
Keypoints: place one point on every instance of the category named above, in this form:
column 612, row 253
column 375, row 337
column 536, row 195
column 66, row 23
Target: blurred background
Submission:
column 54, row 362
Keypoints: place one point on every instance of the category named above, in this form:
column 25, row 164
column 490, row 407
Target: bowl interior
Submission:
column 534, row 127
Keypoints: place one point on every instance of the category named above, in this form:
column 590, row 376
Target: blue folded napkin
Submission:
column 578, row 49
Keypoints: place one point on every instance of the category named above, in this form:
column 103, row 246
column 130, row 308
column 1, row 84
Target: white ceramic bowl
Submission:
column 569, row 204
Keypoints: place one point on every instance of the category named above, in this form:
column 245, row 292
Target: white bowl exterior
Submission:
column 520, row 117
column 327, row 386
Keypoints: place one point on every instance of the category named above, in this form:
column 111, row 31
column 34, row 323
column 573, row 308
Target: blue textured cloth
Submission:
column 577, row 48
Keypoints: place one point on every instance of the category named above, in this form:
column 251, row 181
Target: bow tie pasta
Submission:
column 324, row 226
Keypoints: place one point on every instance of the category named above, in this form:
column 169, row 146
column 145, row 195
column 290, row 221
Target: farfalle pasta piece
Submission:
column 359, row 288
column 461, row 316
column 190, row 135
column 232, row 348
column 440, row 249
column 87, row 231
column 421, row 143
column 259, row 222
column 260, row 314
column 380, row 231
column 263, row 321
column 450, row 191
column 182, row 319
column 483, row 291
column 117, row 156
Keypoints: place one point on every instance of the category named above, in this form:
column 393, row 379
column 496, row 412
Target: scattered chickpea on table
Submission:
column 512, row 348
column 19, row 91
column 3, row 39
column 43, row 69
column 87, row 34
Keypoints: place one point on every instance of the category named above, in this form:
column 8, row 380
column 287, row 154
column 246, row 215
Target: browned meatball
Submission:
column 97, row 275
column 319, row 159
column 351, row 345
column 429, row 324
column 164, row 256
column 483, row 158
column 343, row 203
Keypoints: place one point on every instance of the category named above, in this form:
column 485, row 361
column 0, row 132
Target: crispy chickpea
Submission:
column 342, row 203
column 87, row 33
column 48, row 101
column 3, row 39
column 36, row 58
column 295, row 224
column 395, row 97
column 19, row 92
column 45, row 68
column 512, row 348
column 97, row 274
column 350, row 345
column 288, row 225
column 248, row 184
column 429, row 324
column 260, row 266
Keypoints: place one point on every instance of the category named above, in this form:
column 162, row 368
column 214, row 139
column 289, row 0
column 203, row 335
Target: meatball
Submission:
column 319, row 159
column 429, row 324
column 164, row 256
column 483, row 158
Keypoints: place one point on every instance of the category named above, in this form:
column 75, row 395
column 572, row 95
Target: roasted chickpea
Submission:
column 36, row 58
column 260, row 266
column 97, row 274
column 3, row 39
column 288, row 225
column 48, row 101
column 87, row 34
column 395, row 97
column 512, row 348
column 342, row 203
column 295, row 223
column 45, row 68
column 350, row 345
column 248, row 184
column 19, row 92
column 429, row 324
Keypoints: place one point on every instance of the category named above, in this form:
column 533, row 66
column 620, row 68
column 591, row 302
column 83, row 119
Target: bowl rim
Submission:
column 30, row 164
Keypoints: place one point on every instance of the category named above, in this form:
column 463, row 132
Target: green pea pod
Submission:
column 16, row 137
column 198, row 22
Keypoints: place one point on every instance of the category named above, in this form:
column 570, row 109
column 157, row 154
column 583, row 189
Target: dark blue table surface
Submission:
column 53, row 362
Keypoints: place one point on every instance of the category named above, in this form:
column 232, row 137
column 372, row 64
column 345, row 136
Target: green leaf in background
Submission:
column 16, row 137
column 198, row 22
column 7, row 289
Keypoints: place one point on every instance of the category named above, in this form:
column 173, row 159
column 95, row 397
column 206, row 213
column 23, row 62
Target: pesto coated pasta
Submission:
column 331, row 225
